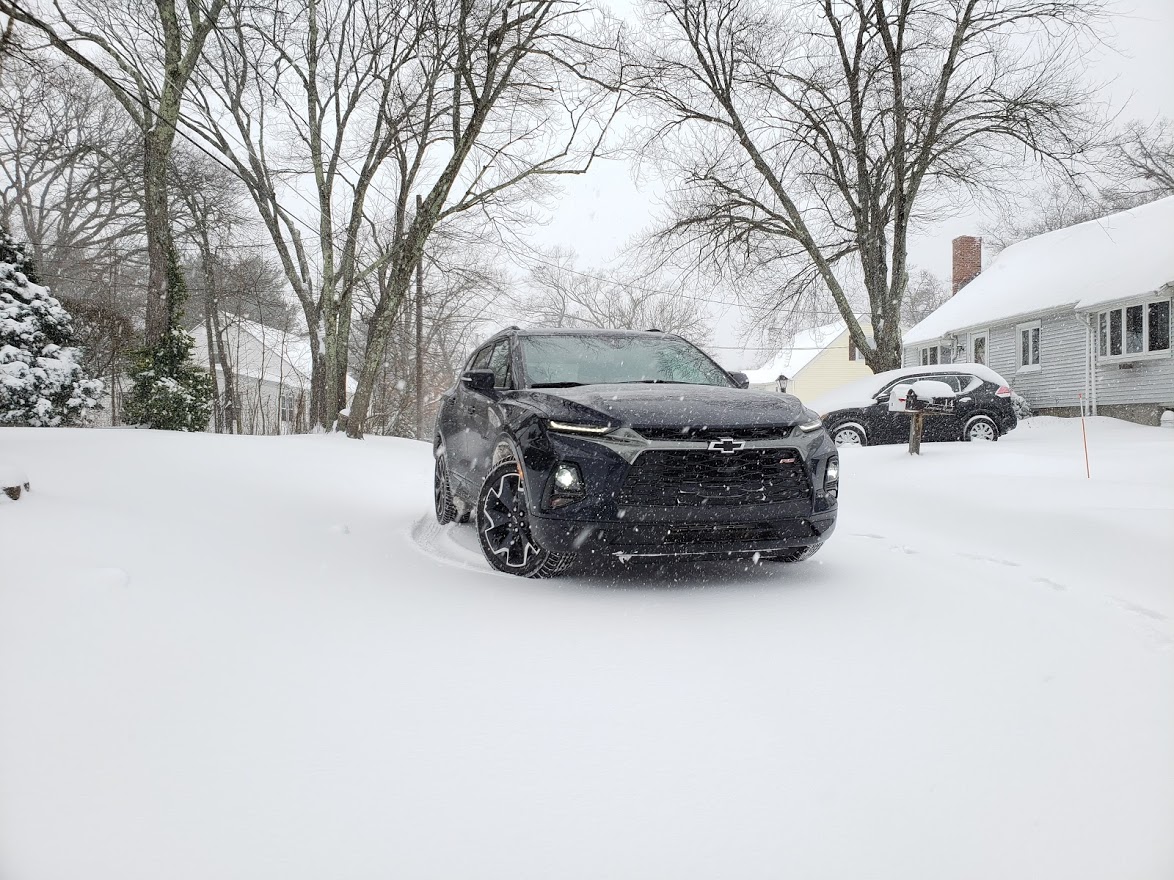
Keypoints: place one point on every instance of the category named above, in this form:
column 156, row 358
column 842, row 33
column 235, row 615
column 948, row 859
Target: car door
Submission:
column 466, row 406
column 482, row 414
column 950, row 427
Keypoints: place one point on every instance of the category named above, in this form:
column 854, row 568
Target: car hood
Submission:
column 669, row 405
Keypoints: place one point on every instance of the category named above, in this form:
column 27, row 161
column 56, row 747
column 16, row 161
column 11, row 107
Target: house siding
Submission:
column 830, row 369
column 1136, row 392
column 1147, row 381
column 1060, row 379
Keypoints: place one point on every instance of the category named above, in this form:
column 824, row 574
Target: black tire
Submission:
column 446, row 509
column 841, row 434
column 795, row 554
column 981, row 428
column 503, row 527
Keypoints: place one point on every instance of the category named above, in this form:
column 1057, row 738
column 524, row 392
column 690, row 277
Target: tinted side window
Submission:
column 499, row 362
column 968, row 383
column 905, row 380
column 481, row 359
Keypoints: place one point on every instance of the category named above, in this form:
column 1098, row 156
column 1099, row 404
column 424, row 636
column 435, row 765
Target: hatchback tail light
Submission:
column 1003, row 391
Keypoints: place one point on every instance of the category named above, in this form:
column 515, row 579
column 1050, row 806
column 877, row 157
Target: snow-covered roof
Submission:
column 1126, row 254
column 287, row 356
column 804, row 348
column 862, row 391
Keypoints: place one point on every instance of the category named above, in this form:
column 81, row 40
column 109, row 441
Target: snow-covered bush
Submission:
column 41, row 381
column 1021, row 406
column 170, row 392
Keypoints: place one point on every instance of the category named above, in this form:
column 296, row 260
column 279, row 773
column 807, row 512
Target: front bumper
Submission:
column 609, row 522
column 651, row 536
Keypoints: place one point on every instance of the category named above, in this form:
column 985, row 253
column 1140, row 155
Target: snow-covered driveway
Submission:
column 257, row 658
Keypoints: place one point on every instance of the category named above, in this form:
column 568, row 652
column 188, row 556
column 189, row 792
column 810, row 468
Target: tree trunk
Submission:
column 158, row 229
column 217, row 409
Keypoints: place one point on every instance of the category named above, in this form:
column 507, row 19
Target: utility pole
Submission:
column 419, row 334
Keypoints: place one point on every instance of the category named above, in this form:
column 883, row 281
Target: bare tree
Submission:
column 532, row 95
column 462, row 291
column 67, row 173
column 210, row 197
column 339, row 116
column 145, row 54
column 307, row 105
column 924, row 293
column 1141, row 161
column 68, row 186
column 804, row 138
column 556, row 294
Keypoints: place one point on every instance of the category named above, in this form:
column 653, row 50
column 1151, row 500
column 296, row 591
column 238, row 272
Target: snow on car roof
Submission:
column 862, row 391
column 1125, row 254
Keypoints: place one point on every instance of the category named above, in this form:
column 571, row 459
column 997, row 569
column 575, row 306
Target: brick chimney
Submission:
column 967, row 260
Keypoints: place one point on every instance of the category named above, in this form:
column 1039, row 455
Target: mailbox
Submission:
column 923, row 396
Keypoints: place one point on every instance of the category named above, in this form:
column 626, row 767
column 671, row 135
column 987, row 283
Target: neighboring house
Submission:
column 817, row 361
column 1079, row 318
column 271, row 372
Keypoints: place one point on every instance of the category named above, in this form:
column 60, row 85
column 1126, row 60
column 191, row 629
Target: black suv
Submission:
column 568, row 443
column 858, row 414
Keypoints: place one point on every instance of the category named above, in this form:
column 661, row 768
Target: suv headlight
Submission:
column 808, row 427
column 576, row 428
column 832, row 473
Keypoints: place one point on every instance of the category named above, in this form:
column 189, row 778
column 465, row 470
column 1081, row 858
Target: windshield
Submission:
column 574, row 359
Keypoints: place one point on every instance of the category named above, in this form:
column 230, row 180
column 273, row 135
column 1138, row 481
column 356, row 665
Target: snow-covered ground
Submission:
column 226, row 657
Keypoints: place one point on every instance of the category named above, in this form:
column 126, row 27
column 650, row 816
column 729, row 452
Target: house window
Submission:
column 1138, row 329
column 929, row 355
column 289, row 407
column 1029, row 346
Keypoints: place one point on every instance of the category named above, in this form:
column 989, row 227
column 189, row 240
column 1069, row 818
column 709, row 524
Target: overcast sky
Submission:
column 600, row 212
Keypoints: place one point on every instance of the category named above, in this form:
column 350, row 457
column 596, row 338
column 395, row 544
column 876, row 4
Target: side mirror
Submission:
column 480, row 381
column 740, row 379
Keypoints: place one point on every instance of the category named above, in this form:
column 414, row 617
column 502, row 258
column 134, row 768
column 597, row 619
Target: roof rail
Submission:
column 654, row 330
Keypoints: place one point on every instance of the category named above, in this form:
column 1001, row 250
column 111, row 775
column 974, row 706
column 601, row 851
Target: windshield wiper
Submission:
column 652, row 382
column 555, row 384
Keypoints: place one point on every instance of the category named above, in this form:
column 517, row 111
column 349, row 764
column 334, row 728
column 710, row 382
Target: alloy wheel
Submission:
column 505, row 522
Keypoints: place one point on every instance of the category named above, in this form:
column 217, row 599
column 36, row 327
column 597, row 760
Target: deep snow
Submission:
column 240, row 657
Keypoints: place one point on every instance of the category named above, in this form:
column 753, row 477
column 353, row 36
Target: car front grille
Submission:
column 704, row 432
column 697, row 477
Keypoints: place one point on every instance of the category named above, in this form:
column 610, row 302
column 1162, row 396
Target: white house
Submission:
column 271, row 370
column 817, row 360
column 1076, row 318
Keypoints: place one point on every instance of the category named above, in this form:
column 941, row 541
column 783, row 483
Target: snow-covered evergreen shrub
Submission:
column 170, row 392
column 41, row 381
column 1021, row 406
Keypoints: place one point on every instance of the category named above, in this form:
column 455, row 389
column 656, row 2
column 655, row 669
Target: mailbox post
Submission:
column 925, row 397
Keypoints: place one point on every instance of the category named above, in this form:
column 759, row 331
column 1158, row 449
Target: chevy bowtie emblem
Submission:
column 726, row 445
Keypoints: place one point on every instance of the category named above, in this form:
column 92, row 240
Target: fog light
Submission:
column 567, row 477
column 832, row 474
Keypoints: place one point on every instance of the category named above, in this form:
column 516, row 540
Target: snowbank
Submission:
column 258, row 657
